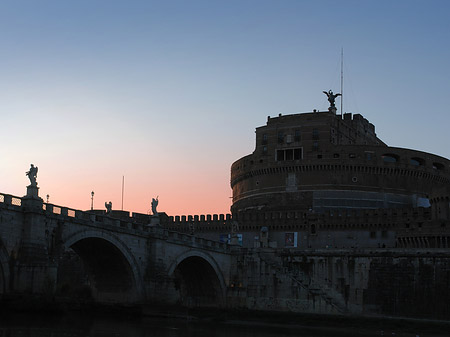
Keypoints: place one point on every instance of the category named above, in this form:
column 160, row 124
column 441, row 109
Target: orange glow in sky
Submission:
column 168, row 94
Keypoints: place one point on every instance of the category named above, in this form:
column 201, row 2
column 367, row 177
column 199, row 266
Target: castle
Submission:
column 326, row 218
column 322, row 180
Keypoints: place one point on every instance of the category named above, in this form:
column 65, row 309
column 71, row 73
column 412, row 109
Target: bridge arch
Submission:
column 198, row 279
column 114, row 270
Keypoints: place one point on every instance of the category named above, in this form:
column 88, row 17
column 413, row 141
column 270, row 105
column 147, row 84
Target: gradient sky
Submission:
column 168, row 93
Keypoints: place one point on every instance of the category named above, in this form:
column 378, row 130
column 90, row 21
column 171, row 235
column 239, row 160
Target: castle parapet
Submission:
column 204, row 222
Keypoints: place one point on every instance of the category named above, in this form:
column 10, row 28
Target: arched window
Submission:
column 390, row 158
column 438, row 166
column 416, row 161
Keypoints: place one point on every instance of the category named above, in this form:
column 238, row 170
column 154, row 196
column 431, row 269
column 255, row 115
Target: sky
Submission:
column 167, row 94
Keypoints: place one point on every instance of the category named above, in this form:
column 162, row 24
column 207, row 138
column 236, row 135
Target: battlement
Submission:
column 199, row 223
column 253, row 220
column 199, row 218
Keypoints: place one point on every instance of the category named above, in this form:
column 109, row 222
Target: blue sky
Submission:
column 168, row 93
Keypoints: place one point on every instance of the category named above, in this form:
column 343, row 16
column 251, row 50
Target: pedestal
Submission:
column 32, row 269
column 154, row 220
column 32, row 191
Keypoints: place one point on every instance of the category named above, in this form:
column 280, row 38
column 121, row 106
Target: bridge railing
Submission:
column 104, row 219
column 9, row 199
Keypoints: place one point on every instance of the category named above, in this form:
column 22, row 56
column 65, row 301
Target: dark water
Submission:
column 85, row 326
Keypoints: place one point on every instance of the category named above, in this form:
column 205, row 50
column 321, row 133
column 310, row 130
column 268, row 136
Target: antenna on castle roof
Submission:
column 342, row 80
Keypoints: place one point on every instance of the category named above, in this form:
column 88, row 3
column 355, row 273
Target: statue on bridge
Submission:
column 108, row 206
column 331, row 98
column 154, row 205
column 32, row 174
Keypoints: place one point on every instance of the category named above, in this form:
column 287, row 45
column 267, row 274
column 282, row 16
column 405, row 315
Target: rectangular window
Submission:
column 280, row 155
column 297, row 136
column 280, row 137
column 289, row 154
column 264, row 149
column 315, row 134
column 264, row 139
column 316, row 146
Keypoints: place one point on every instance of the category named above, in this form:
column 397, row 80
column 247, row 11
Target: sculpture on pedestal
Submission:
column 331, row 98
column 32, row 174
column 108, row 206
column 154, row 205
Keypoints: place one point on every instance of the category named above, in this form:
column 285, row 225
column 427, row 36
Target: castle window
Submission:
column 369, row 156
column 315, row 134
column 315, row 146
column 264, row 141
column 280, row 137
column 280, row 155
column 389, row 158
column 417, row 161
column 438, row 166
column 297, row 136
column 289, row 154
column 264, row 149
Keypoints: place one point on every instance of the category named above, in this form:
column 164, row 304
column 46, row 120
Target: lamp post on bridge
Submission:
column 92, row 200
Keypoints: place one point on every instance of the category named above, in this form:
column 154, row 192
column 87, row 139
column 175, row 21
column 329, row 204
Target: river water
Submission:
column 85, row 326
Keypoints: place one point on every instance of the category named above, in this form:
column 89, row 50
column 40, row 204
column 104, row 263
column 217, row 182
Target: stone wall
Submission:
column 382, row 283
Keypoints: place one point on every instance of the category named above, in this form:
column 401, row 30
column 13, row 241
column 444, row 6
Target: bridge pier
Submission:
column 32, row 271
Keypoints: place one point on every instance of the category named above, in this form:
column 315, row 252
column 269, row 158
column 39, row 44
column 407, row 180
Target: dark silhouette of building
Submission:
column 318, row 180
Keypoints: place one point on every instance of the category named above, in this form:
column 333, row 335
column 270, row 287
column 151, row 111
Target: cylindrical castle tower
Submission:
column 320, row 161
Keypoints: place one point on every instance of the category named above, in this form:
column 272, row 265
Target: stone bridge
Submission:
column 67, row 254
column 57, row 250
